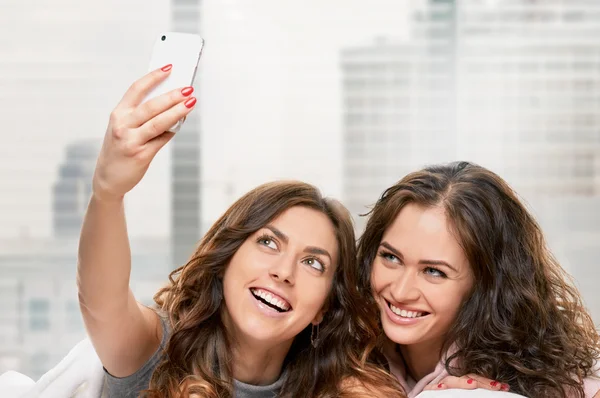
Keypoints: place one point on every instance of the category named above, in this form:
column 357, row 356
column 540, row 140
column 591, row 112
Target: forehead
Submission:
column 307, row 227
column 424, row 233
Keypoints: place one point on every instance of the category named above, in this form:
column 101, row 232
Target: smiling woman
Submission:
column 269, row 305
column 466, row 285
column 419, row 256
column 246, row 308
column 263, row 281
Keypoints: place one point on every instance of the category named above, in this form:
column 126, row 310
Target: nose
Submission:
column 283, row 269
column 405, row 287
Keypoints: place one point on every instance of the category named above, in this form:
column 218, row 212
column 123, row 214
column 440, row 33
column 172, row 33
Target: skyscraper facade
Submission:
column 73, row 187
column 511, row 85
column 185, row 168
column 399, row 105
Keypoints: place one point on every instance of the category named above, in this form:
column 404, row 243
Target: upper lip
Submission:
column 404, row 307
column 275, row 292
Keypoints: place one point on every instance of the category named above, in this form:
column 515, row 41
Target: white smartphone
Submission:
column 183, row 51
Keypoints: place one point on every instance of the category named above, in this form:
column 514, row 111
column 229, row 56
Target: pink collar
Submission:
column 398, row 369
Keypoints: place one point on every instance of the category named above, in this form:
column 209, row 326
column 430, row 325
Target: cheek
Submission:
column 313, row 306
column 380, row 277
column 247, row 263
column 229, row 285
column 237, row 274
column 446, row 302
column 312, row 294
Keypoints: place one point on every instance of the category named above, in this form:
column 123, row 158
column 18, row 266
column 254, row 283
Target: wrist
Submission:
column 105, row 197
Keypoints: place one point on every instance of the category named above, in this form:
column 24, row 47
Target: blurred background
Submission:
column 345, row 95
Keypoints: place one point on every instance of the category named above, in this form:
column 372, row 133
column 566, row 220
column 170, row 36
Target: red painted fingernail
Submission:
column 470, row 381
column 190, row 102
column 505, row 387
column 440, row 385
column 494, row 383
column 166, row 68
column 187, row 91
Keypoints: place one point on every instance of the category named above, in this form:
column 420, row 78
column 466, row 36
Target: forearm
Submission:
column 104, row 261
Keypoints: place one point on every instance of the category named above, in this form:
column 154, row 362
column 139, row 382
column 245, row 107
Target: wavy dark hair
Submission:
column 523, row 323
column 197, row 356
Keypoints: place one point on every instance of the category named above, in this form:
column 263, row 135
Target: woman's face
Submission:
column 420, row 277
column 278, row 281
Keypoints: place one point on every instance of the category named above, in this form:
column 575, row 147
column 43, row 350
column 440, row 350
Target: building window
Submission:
column 73, row 316
column 39, row 315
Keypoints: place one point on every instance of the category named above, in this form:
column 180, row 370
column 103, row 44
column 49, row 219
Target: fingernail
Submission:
column 494, row 383
column 166, row 68
column 505, row 387
column 470, row 381
column 190, row 102
column 187, row 91
column 440, row 385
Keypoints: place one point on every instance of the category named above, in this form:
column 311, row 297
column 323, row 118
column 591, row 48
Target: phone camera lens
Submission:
column 163, row 38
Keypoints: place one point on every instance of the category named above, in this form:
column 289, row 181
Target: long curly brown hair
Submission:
column 197, row 358
column 524, row 323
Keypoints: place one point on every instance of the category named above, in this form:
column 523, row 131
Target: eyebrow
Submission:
column 278, row 233
column 397, row 253
column 307, row 249
column 317, row 250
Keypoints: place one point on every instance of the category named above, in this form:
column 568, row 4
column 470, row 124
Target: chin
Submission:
column 262, row 337
column 261, row 330
column 255, row 329
column 400, row 336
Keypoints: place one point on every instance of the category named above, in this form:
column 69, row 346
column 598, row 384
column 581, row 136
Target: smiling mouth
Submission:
column 269, row 300
column 405, row 313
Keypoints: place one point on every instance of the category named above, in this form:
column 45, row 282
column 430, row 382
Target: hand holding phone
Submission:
column 182, row 50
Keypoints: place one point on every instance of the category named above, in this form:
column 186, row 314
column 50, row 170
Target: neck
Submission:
column 420, row 359
column 256, row 363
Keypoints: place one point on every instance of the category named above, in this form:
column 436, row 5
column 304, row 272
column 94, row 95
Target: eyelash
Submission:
column 317, row 260
column 427, row 271
column 386, row 256
column 439, row 274
column 266, row 237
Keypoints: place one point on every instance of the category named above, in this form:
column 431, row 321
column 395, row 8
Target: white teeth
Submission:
column 405, row 313
column 269, row 298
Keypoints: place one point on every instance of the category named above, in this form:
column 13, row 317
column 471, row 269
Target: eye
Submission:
column 315, row 263
column 267, row 241
column 436, row 273
column 389, row 257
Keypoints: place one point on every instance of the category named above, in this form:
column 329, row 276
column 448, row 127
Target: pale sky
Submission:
column 269, row 82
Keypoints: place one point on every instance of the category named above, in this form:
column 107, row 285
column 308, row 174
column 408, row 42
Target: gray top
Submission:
column 131, row 386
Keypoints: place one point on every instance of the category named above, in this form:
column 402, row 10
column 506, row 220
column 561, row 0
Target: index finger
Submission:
column 141, row 87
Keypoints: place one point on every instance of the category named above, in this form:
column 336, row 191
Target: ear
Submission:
column 321, row 314
column 319, row 317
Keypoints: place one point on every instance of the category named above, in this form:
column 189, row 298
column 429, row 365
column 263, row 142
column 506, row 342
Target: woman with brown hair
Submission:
column 466, row 285
column 267, row 306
